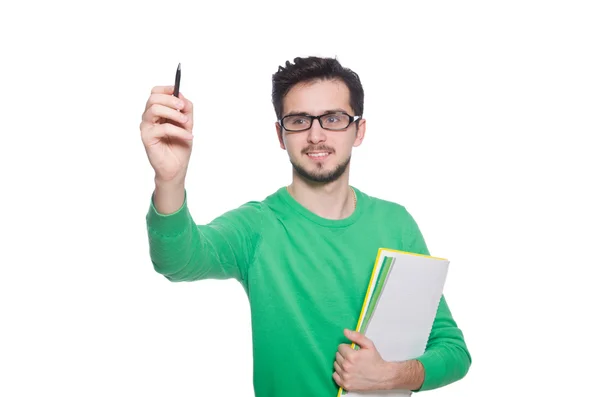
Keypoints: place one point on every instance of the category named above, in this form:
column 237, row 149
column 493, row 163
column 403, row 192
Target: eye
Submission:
column 296, row 120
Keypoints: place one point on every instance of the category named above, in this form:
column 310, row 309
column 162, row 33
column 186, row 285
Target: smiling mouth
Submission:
column 318, row 155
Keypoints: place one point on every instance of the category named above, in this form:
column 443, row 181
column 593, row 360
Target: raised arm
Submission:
column 180, row 249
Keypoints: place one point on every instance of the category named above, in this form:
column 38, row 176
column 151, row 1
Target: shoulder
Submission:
column 256, row 210
column 381, row 205
column 398, row 220
column 248, row 213
column 388, row 212
column 258, row 205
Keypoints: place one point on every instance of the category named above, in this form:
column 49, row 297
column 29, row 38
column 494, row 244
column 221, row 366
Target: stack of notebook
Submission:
column 400, row 306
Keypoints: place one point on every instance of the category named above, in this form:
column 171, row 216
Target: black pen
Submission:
column 177, row 80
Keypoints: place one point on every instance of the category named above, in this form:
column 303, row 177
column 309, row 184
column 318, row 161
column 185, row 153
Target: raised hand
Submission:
column 166, row 132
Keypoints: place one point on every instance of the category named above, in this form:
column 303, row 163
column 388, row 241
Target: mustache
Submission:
column 317, row 148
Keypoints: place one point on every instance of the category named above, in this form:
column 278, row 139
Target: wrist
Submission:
column 169, row 184
column 404, row 375
column 168, row 196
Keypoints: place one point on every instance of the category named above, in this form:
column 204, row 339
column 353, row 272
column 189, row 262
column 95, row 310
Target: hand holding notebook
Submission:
column 399, row 309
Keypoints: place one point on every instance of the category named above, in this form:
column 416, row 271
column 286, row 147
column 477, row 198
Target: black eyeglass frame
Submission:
column 312, row 118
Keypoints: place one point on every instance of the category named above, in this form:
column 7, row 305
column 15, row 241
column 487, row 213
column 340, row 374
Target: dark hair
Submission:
column 315, row 68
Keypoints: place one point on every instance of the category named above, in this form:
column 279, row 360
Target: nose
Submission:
column 316, row 134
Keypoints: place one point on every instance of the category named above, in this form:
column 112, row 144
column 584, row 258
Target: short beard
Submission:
column 323, row 178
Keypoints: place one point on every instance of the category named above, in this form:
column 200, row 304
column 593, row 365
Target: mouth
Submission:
column 318, row 155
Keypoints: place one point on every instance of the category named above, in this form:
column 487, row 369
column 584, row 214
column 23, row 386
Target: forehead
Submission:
column 317, row 96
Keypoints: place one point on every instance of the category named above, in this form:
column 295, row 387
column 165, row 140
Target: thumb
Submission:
column 358, row 338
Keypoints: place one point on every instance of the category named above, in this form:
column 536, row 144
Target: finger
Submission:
column 338, row 379
column 165, row 100
column 163, row 89
column 157, row 112
column 160, row 91
column 358, row 338
column 339, row 358
column 338, row 368
column 346, row 351
column 159, row 131
column 365, row 342
column 188, row 106
column 188, row 110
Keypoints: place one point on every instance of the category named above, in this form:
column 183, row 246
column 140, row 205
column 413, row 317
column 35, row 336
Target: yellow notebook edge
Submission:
column 373, row 277
column 365, row 301
column 365, row 304
column 411, row 253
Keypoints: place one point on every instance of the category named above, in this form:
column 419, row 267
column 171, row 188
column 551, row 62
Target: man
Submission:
column 304, row 254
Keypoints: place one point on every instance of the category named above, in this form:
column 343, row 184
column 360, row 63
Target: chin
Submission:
column 319, row 172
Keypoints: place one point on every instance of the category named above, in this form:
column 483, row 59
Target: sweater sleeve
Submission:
column 446, row 358
column 182, row 250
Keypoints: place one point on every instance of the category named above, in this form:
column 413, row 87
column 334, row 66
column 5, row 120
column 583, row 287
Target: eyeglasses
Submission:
column 335, row 121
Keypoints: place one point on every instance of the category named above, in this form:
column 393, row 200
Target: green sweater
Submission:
column 305, row 278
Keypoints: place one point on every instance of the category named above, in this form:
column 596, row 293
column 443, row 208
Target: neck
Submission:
column 334, row 200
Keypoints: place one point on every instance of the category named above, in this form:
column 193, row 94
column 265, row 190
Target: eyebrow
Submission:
column 299, row 113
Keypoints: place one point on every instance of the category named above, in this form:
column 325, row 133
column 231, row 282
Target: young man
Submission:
column 293, row 251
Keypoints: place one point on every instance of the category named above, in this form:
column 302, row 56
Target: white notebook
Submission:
column 400, row 306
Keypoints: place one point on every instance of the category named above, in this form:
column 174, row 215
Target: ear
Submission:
column 280, row 135
column 360, row 132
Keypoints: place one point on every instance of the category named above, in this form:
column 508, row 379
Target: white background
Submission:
column 482, row 119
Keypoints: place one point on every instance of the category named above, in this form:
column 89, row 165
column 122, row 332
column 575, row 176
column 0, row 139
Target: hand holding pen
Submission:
column 166, row 132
